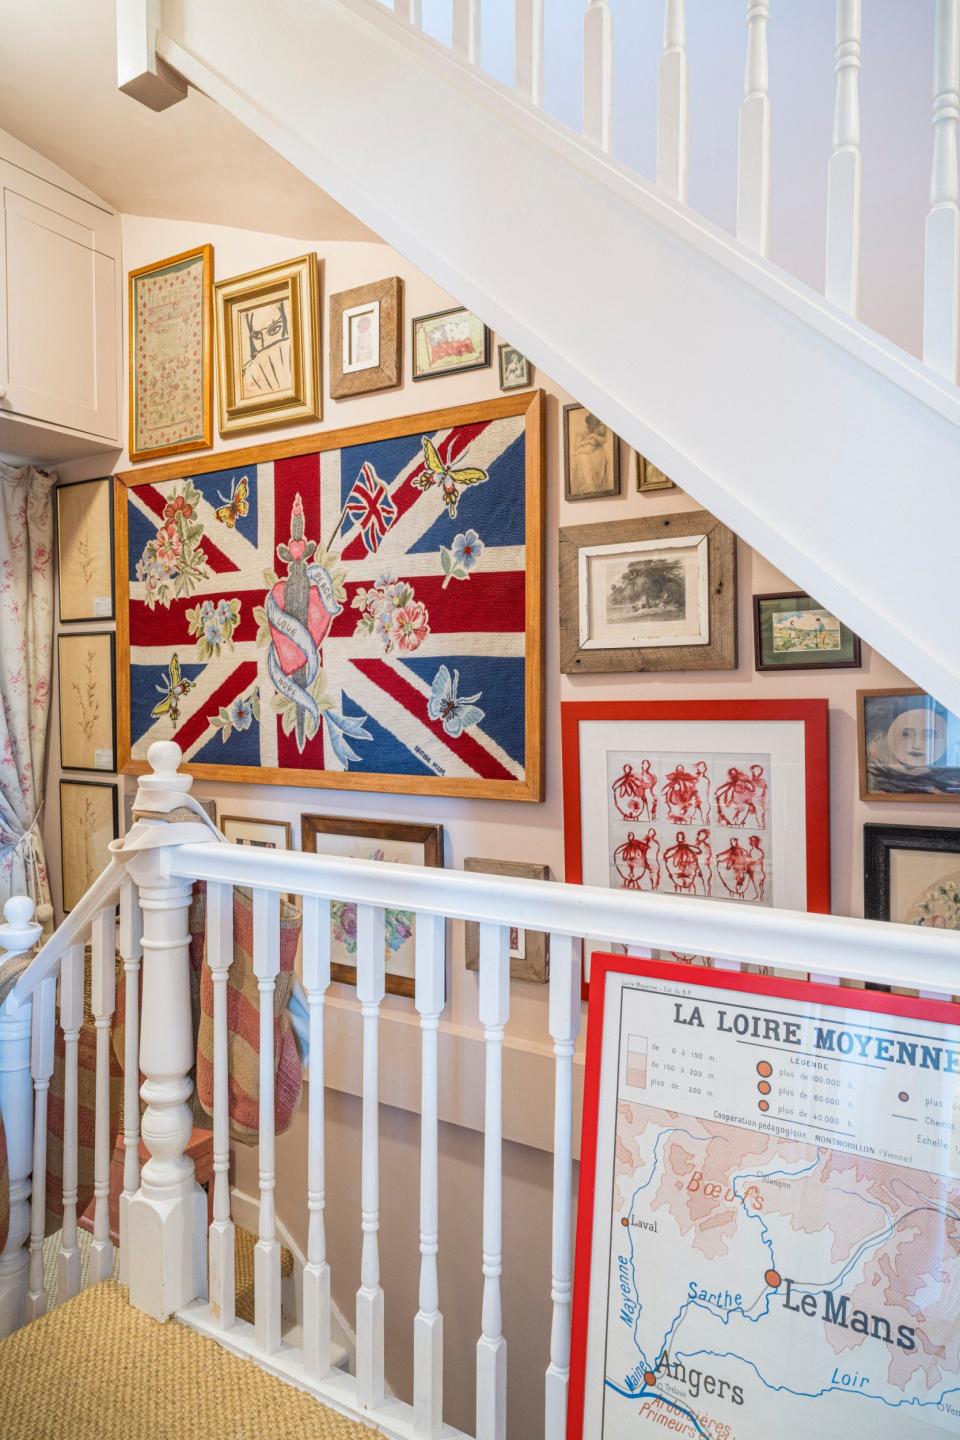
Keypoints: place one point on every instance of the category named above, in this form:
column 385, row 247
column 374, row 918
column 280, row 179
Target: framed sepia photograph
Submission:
column 170, row 306
column 650, row 594
column 792, row 632
column 911, row 875
column 909, row 747
column 268, row 350
column 366, row 338
column 88, row 822
column 86, row 669
column 387, row 841
column 529, row 949
column 591, row 456
column 85, row 550
column 516, row 372
column 649, row 478
column 448, row 343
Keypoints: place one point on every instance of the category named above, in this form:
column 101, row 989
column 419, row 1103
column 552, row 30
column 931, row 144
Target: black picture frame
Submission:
column 850, row 641
column 879, row 842
column 92, row 785
column 416, row 320
column 110, row 636
column 58, row 490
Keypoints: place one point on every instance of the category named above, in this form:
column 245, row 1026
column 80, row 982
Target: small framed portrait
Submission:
column 911, row 874
column 85, row 670
column 516, row 372
column 792, row 632
column 909, row 747
column 390, row 842
column 366, row 338
column 88, row 822
column 262, row 834
column 85, row 550
column 650, row 478
column 529, row 949
column 268, row 354
column 591, row 456
column 650, row 594
column 449, row 342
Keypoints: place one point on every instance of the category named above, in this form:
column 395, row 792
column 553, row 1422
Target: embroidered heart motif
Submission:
column 289, row 654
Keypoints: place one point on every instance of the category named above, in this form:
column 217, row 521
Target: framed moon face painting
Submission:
column 909, row 747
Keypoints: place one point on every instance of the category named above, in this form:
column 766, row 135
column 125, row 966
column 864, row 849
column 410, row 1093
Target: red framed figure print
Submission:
column 769, row 1200
column 723, row 799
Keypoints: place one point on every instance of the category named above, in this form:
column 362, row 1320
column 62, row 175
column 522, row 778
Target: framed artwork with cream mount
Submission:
column 85, row 550
column 366, row 338
column 85, row 671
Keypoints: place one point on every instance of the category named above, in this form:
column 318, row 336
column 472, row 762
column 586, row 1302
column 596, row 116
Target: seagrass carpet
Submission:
column 96, row 1369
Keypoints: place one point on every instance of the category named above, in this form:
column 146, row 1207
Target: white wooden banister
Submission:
column 222, row 1238
column 316, row 1275
column 494, row 1012
column 842, row 284
column 266, row 1277
column 129, row 937
column 564, row 1026
column 466, row 29
column 598, row 73
column 528, row 49
column 102, row 1003
column 430, row 998
column 753, row 174
column 104, row 891
column 672, row 103
column 19, row 933
column 71, row 1020
column 41, row 1068
column 409, row 10
column 941, row 278
column 371, row 985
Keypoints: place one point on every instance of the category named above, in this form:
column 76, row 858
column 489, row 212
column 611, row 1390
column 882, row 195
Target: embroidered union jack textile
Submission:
column 355, row 610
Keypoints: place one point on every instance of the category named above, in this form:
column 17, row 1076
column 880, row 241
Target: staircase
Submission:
column 821, row 443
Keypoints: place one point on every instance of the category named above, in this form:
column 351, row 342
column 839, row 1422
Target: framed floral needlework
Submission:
column 359, row 609
column 170, row 307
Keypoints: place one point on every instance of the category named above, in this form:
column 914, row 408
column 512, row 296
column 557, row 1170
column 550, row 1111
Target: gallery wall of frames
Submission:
column 398, row 595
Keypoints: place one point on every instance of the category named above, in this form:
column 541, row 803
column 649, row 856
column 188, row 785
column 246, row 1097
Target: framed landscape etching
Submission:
column 85, row 673
column 88, row 822
column 909, row 747
column 529, row 949
column 366, row 338
column 170, row 306
column 268, row 346
column 651, row 594
column 358, row 609
column 792, row 632
column 389, row 842
column 449, row 342
column 85, row 550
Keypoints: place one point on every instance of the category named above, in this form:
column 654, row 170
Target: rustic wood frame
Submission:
column 93, row 785
column 535, row 965
column 530, row 404
column 206, row 440
column 814, row 664
column 83, row 619
column 878, row 843
column 720, row 653
column 454, row 369
column 389, row 294
column 108, row 635
column 597, row 494
column 894, row 797
column 429, row 836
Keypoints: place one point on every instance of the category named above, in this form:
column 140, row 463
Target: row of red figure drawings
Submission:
column 691, row 867
column 740, row 801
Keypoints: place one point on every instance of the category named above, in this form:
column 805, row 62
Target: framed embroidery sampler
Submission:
column 171, row 355
column 358, row 609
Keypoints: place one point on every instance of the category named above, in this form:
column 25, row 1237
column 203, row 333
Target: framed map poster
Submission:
column 767, row 1224
column 357, row 609
column 170, row 306
column 722, row 799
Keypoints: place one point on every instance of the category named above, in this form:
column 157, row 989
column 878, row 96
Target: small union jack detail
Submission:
column 370, row 508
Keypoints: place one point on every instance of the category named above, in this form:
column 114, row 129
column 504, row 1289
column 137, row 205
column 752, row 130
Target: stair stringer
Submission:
column 828, row 449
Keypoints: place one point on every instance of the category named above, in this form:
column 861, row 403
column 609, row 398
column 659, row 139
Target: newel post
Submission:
column 18, row 935
column 167, row 1215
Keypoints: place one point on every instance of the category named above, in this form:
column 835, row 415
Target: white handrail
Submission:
column 105, row 890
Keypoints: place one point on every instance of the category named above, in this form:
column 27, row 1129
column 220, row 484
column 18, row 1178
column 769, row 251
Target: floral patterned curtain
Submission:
column 26, row 648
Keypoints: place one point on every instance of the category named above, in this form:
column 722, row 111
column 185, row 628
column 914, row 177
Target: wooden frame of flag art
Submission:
column 359, row 609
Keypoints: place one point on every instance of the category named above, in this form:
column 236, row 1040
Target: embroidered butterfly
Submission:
column 174, row 686
column 456, row 712
column 450, row 481
column 236, row 506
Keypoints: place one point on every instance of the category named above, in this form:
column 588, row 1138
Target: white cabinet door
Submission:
column 59, row 261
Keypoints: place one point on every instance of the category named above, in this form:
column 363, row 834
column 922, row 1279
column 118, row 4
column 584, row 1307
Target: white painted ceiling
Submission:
column 192, row 162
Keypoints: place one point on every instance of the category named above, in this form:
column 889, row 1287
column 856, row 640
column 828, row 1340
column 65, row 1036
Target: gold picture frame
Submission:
column 88, row 822
column 86, row 666
column 170, row 348
column 268, row 353
column 366, row 338
column 85, row 550
column 650, row 479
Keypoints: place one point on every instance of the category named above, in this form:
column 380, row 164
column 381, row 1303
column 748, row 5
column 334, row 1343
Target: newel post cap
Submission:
column 164, row 758
column 21, row 932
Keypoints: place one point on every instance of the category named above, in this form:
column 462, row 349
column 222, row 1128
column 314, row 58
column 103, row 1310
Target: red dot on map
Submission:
column 625, row 1221
column 649, row 1378
column 763, row 1104
column 904, row 1096
column 764, row 1068
column 773, row 1278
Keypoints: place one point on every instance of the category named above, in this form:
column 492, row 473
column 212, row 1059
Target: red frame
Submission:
column 814, row 717
column 941, row 1012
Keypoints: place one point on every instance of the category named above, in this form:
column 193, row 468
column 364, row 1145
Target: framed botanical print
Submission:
column 516, row 372
column 909, row 747
column 366, row 338
column 529, row 949
column 85, row 550
column 88, row 822
column 449, row 342
column 725, row 799
column 268, row 350
column 170, row 306
column 792, row 632
column 649, row 478
column 386, row 841
column 650, row 594
column 591, row 456
column 86, row 668
column 911, row 875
